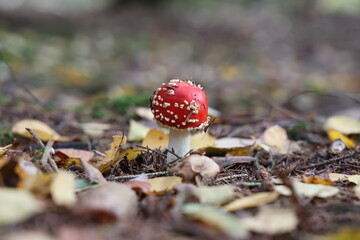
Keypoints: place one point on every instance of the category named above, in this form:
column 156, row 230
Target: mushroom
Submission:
column 182, row 107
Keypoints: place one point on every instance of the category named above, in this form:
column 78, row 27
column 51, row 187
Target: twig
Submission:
column 99, row 153
column 35, row 137
column 230, row 177
column 155, row 174
column 46, row 159
column 151, row 150
column 283, row 110
column 335, row 159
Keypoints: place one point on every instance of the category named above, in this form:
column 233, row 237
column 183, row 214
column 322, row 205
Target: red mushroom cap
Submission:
column 180, row 104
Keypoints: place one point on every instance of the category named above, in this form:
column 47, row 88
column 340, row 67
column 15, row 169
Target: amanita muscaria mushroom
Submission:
column 181, row 106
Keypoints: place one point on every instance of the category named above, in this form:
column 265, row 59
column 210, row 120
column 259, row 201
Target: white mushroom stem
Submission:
column 179, row 142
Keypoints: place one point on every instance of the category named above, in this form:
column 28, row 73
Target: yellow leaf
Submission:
column 200, row 140
column 112, row 155
column 156, row 139
column 161, row 185
column 63, row 189
column 137, row 131
column 276, row 137
column 42, row 130
column 17, row 205
column 94, row 129
column 3, row 150
column 333, row 135
column 308, row 190
column 130, row 154
column 317, row 180
column 254, row 200
column 343, row 125
column 345, row 234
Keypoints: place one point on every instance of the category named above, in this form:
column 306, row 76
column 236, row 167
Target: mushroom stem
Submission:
column 179, row 143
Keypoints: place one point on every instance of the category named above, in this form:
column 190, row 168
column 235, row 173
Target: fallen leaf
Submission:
column 308, row 190
column 63, row 189
column 215, row 195
column 272, row 221
column 335, row 177
column 276, row 137
column 93, row 173
column 94, row 129
column 344, row 234
column 334, row 135
column 17, row 205
column 232, row 142
column 337, row 146
column 76, row 153
column 343, row 125
column 112, row 155
column 156, row 139
column 28, row 235
column 236, row 151
column 354, row 179
column 111, row 199
column 317, row 180
column 144, row 112
column 254, row 200
column 216, row 218
column 160, row 185
column 194, row 165
column 200, row 140
column 137, row 131
column 82, row 184
column 139, row 184
column 42, row 130
column 3, row 150
column 130, row 154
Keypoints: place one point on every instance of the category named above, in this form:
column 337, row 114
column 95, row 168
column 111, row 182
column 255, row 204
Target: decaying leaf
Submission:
column 276, row 137
column 42, row 130
column 93, row 173
column 272, row 221
column 317, row 180
column 63, row 189
column 76, row 153
column 156, row 139
column 343, row 125
column 216, row 218
column 137, row 131
column 194, row 165
column 232, row 142
column 94, row 129
column 17, row 205
column 113, row 199
column 139, row 184
column 334, row 135
column 200, row 140
column 308, row 190
column 160, row 185
column 215, row 195
column 254, row 200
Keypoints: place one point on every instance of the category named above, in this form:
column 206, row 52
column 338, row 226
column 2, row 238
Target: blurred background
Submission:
column 98, row 56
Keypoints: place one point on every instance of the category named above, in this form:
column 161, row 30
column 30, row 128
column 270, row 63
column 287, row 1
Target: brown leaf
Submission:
column 93, row 173
column 74, row 153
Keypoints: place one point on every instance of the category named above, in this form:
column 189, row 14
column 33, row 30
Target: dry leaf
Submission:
column 194, row 165
column 139, row 184
column 3, row 150
column 334, row 135
column 215, row 195
column 94, row 129
column 160, row 185
column 17, row 205
column 42, row 130
column 308, row 190
column 76, row 153
column 200, row 140
column 254, row 200
column 343, row 125
column 216, row 218
column 63, row 189
column 93, row 173
column 276, row 137
column 112, row 199
column 129, row 154
column 137, row 131
column 317, row 180
column 272, row 221
column 231, row 142
column 112, row 155
column 156, row 139
column 28, row 235
column 236, row 151
column 144, row 113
